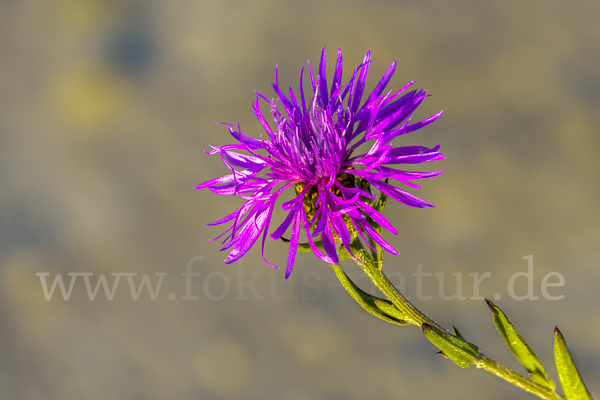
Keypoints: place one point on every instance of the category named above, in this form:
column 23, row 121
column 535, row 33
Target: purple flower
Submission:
column 333, row 151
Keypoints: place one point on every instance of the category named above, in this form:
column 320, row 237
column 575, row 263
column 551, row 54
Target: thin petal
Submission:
column 329, row 244
column 378, row 239
column 360, row 84
column 293, row 245
column 400, row 195
column 278, row 233
column 377, row 217
column 385, row 79
column 323, row 94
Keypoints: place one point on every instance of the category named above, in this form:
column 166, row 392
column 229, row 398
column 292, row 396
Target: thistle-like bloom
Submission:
column 333, row 151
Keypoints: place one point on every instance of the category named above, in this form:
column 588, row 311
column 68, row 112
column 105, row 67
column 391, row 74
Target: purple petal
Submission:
column 360, row 84
column 419, row 125
column 249, row 234
column 377, row 238
column 312, row 77
column 265, row 230
column 329, row 244
column 311, row 242
column 385, row 79
column 337, row 77
column 247, row 141
column 241, row 160
column 339, row 227
column 258, row 113
column 322, row 79
column 302, row 91
column 377, row 217
column 223, row 179
column 400, row 195
column 278, row 233
column 293, row 245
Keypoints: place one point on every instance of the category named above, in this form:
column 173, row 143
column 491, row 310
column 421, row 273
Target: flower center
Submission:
column 312, row 193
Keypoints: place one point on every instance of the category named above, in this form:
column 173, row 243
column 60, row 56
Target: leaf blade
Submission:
column 380, row 308
column 568, row 375
column 520, row 348
column 463, row 353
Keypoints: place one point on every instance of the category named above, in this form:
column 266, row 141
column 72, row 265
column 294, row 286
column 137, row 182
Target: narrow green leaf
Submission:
column 457, row 332
column 570, row 380
column 520, row 348
column 373, row 305
column 386, row 307
column 463, row 353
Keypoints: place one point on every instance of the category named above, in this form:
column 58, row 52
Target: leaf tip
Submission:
column 426, row 328
column 558, row 333
column 457, row 332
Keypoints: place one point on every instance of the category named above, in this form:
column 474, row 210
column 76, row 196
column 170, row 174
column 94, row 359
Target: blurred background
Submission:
column 106, row 108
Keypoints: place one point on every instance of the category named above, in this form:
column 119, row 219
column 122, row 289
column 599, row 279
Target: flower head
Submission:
column 315, row 147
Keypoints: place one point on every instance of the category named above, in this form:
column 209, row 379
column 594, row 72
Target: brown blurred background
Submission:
column 106, row 108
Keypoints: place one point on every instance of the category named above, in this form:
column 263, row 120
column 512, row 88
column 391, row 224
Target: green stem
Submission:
column 518, row 380
column 414, row 316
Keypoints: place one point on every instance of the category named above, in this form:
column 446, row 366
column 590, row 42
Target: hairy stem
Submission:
column 414, row 316
column 516, row 379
